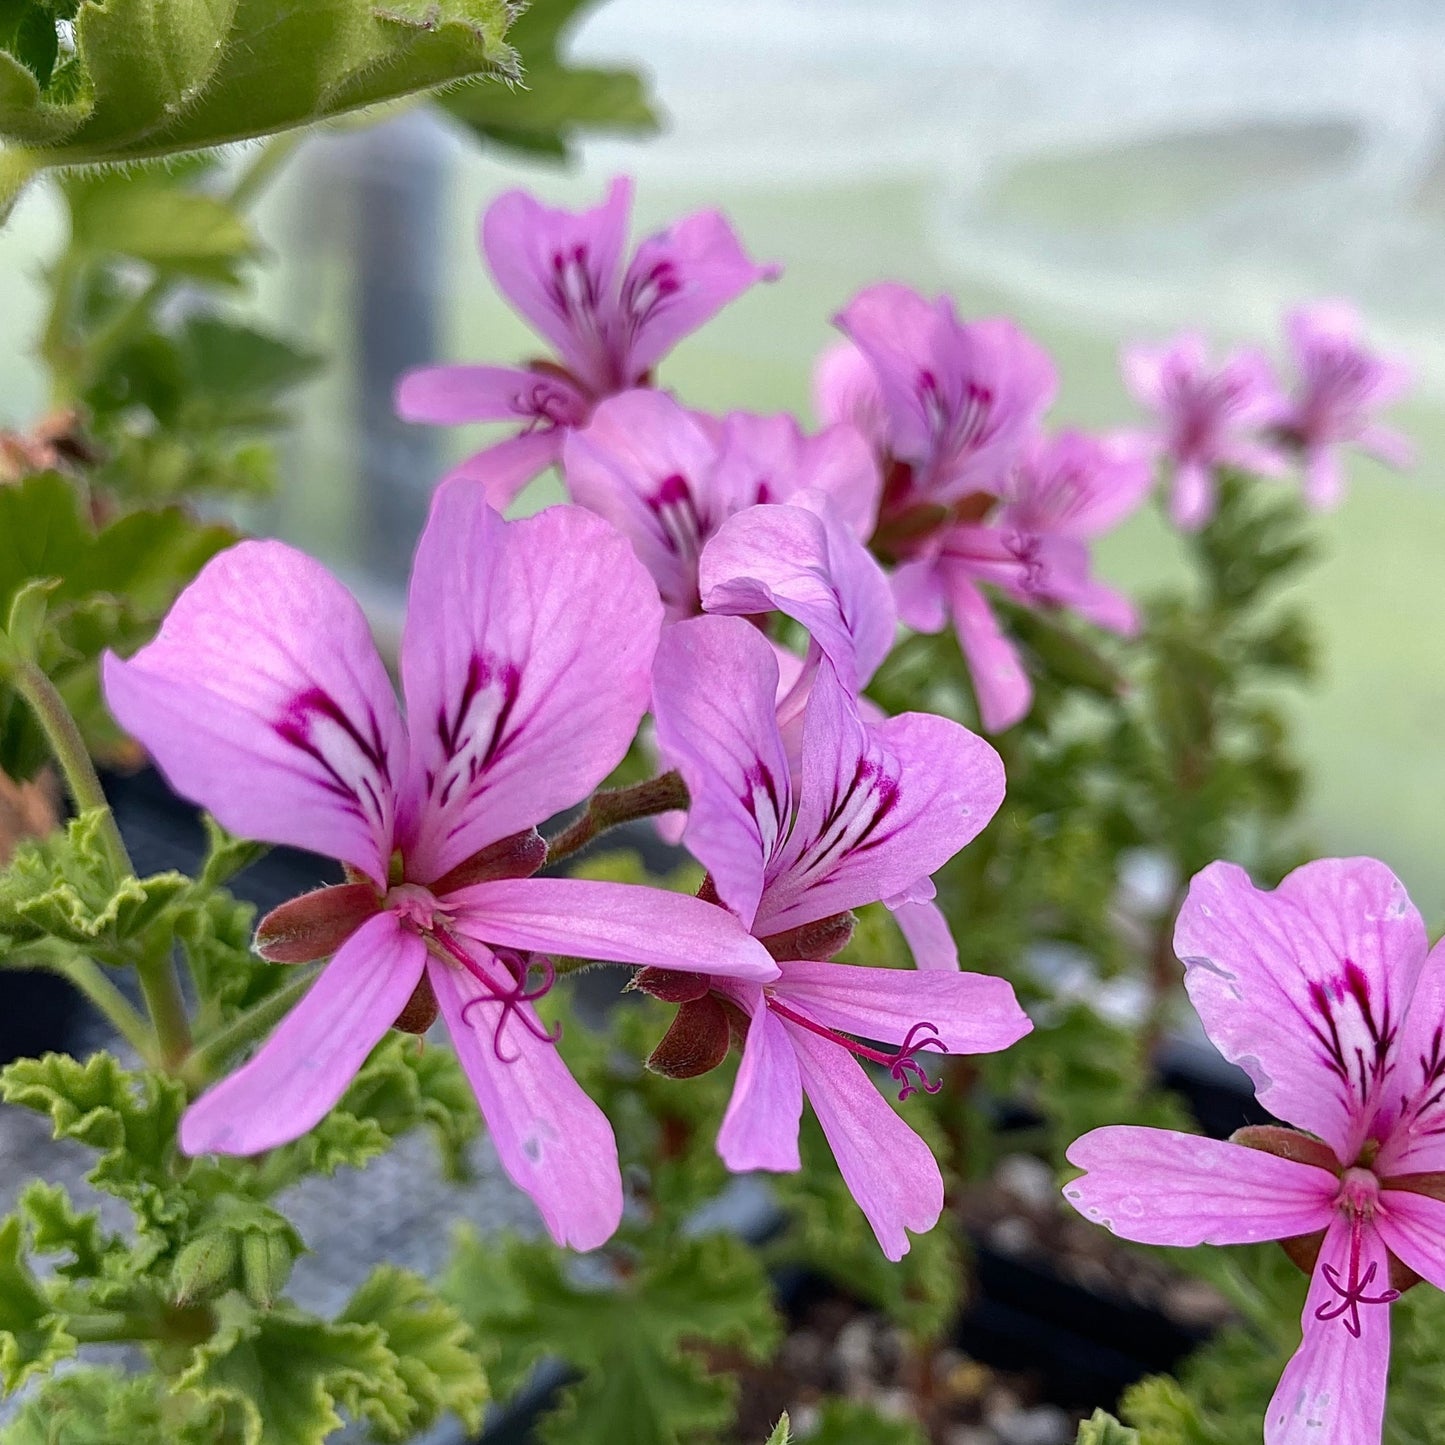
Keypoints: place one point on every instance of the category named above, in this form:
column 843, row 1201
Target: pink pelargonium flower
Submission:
column 525, row 666
column 610, row 322
column 1032, row 543
column 868, row 811
column 1340, row 387
column 1327, row 994
column 1209, row 416
column 945, row 403
column 668, row 478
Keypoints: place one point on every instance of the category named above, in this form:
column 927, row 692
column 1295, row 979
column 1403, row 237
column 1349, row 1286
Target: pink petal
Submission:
column 306, row 1065
column 959, row 398
column 713, row 691
column 681, row 278
column 1004, row 691
column 1156, row 1186
column 839, row 463
column 1412, row 1227
column 1298, row 985
column 263, row 699
column 1191, row 497
column 1389, row 445
column 525, row 661
column 1078, row 485
column 972, row 1013
column 618, row 922
column 450, row 395
column 1411, row 1114
column 760, row 1128
column 1324, row 478
column 554, row 1142
column 559, row 270
column 879, row 807
column 922, row 598
column 899, row 334
column 1105, row 607
column 926, row 931
column 802, row 561
column 504, row 469
column 1332, row 1391
column 768, row 459
column 888, row 1169
column 645, row 464
column 846, row 390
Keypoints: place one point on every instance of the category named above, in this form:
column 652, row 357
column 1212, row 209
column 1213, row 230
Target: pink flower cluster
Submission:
column 533, row 651
column 1236, row 413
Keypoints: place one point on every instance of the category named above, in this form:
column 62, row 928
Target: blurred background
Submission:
column 1101, row 173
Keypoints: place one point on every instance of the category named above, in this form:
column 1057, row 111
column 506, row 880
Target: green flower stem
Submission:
column 69, row 750
column 108, row 1327
column 91, row 980
column 161, row 987
column 662, row 794
column 133, row 315
column 266, row 160
column 207, row 1060
column 56, row 348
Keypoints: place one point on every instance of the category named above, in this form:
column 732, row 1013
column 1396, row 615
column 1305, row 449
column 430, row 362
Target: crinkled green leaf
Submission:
column 64, row 886
column 558, row 103
column 226, row 854
column 159, row 77
column 636, row 1344
column 1103, row 1429
column 435, row 1352
column 57, row 1227
column 782, row 1432
column 848, row 1422
column 295, row 1373
column 32, row 1338
column 130, row 1117
column 92, row 1406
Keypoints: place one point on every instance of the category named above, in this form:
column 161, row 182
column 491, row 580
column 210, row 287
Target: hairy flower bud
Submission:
column 421, row 1009
column 316, row 924
column 696, row 1043
column 814, row 942
column 205, row 1265
column 517, row 856
column 671, row 985
column 266, row 1259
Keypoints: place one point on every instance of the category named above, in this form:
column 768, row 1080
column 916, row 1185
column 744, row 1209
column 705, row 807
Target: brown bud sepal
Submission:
column 516, row 856
column 812, row 942
column 671, row 985
column 1287, row 1144
column 421, row 1009
column 696, row 1043
column 316, row 924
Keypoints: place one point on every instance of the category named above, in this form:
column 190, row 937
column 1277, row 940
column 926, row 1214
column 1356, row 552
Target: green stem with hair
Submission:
column 665, row 793
column 91, row 980
column 68, row 748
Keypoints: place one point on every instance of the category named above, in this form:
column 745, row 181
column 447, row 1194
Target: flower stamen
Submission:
column 511, row 1000
column 1352, row 1293
column 902, row 1064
